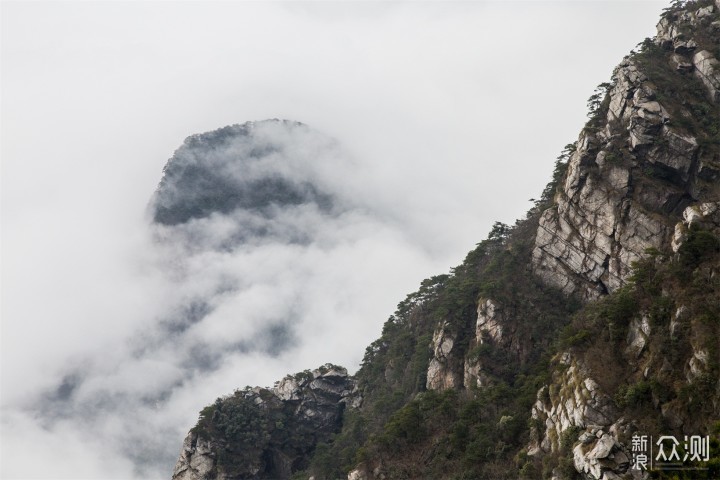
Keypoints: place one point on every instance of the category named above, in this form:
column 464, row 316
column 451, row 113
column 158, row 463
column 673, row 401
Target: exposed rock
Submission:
column 707, row 69
column 443, row 371
column 704, row 64
column 638, row 334
column 692, row 215
column 357, row 474
column 703, row 215
column 473, row 374
column 489, row 321
column 320, row 398
column 197, row 459
column 633, row 182
column 679, row 237
column 684, row 47
column 492, row 325
column 705, row 11
column 587, row 243
column 697, row 364
column 288, row 389
column 604, row 217
column 682, row 64
column 575, row 400
column 606, row 212
column 667, row 32
column 309, row 402
column 600, row 456
column 363, row 472
column 675, row 151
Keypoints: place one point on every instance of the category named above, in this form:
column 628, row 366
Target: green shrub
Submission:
column 699, row 245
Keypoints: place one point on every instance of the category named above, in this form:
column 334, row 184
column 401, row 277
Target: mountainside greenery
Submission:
column 482, row 426
column 482, row 432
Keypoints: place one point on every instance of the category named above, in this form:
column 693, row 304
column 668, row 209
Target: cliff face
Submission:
column 662, row 179
column 639, row 163
column 558, row 338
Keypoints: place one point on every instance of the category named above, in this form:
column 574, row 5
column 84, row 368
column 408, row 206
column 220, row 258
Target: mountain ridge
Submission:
column 557, row 339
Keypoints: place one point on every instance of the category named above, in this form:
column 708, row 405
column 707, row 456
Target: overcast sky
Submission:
column 449, row 116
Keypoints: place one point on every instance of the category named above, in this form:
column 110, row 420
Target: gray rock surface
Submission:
column 490, row 319
column 575, row 400
column 638, row 335
column 197, row 459
column 602, row 221
column 707, row 68
column 491, row 326
column 443, row 371
column 628, row 177
column 600, row 456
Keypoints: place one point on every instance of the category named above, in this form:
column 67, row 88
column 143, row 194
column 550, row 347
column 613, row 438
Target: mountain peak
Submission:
column 253, row 167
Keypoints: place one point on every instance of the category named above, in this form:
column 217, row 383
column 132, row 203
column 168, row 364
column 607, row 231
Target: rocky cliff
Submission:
column 643, row 173
column 642, row 159
column 559, row 338
column 267, row 433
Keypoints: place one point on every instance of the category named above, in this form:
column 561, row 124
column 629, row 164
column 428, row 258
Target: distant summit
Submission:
column 256, row 167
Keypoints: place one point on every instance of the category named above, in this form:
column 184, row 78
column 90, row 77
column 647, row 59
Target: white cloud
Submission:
column 449, row 115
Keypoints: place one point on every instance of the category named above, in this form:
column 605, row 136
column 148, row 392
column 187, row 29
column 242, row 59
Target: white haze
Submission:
column 450, row 114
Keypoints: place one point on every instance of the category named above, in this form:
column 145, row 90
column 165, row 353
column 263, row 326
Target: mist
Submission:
column 426, row 122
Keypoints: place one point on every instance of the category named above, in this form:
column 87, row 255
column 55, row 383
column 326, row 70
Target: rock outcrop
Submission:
column 704, row 215
column 491, row 327
column 267, row 433
column 453, row 365
column 197, row 459
column 636, row 167
column 490, row 319
column 443, row 371
column 599, row 455
column 573, row 400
